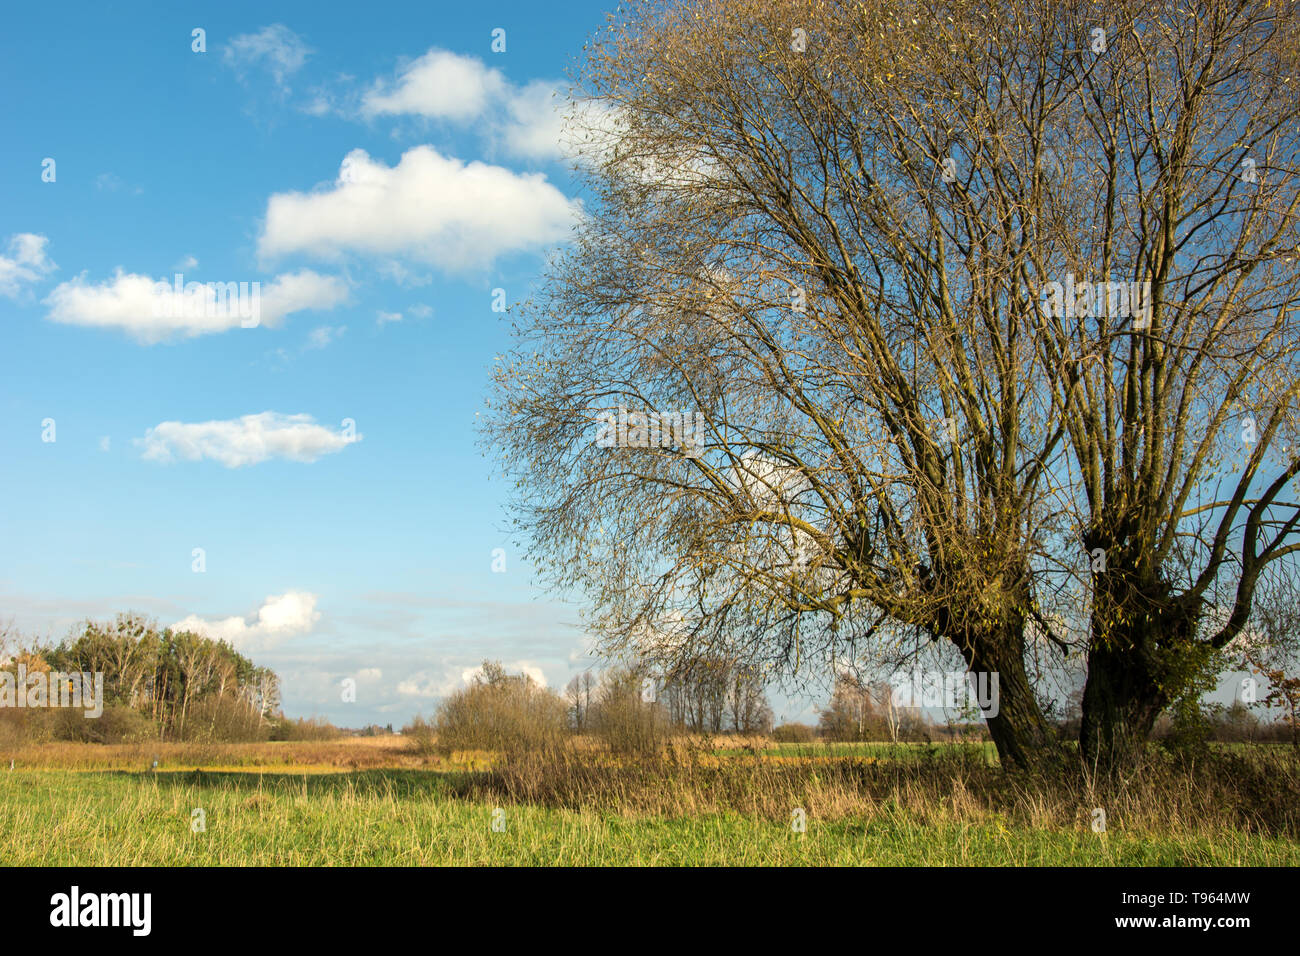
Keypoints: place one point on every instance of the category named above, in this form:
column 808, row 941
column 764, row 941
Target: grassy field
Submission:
column 369, row 801
column 882, row 751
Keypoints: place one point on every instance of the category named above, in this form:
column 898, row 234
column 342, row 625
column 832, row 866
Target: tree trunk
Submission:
column 1019, row 730
column 1141, row 657
column 1121, row 701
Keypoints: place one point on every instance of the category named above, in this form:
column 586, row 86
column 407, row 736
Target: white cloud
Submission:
column 149, row 309
column 438, row 85
column 421, row 311
column 383, row 318
column 425, row 685
column 324, row 335
column 769, row 482
column 280, row 617
column 545, row 123
column 397, row 272
column 535, row 121
column 25, row 263
column 244, row 441
column 429, row 207
column 599, row 136
column 318, row 105
column 420, row 684
column 276, row 49
column 301, row 290
column 105, row 443
column 585, row 653
column 337, row 94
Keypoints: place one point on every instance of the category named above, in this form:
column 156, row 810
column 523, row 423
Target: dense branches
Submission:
column 959, row 301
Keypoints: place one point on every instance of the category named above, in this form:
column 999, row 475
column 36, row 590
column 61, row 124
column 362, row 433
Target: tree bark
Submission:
column 1140, row 658
column 1121, row 701
column 1019, row 731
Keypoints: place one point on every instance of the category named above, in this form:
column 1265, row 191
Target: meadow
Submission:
column 376, row 801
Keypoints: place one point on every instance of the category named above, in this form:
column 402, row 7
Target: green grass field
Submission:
column 411, row 817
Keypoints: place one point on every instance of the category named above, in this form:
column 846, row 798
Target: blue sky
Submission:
column 379, row 178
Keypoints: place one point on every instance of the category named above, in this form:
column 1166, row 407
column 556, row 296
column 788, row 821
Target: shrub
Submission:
column 304, row 728
column 25, row 726
column 421, row 734
column 624, row 722
column 794, row 734
column 510, row 713
column 116, row 725
column 224, row 719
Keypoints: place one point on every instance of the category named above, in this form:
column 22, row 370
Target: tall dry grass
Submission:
column 1248, row 790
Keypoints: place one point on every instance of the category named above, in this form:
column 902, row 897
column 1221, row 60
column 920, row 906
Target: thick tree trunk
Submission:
column 1019, row 731
column 1121, row 701
column 1140, row 658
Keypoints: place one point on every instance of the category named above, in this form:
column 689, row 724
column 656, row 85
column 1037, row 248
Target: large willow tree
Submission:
column 795, row 387
column 1181, row 161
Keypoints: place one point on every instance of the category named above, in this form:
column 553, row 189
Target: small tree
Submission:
column 623, row 718
column 510, row 713
column 580, row 693
column 1271, row 646
column 854, row 713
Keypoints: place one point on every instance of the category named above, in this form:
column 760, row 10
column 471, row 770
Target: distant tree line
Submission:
column 171, row 685
column 627, row 708
column 869, row 711
column 710, row 695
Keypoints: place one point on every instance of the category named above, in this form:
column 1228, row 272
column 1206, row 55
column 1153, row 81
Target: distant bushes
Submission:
column 794, row 734
column 420, row 733
column 116, row 725
column 861, row 712
column 223, row 718
column 625, row 722
column 304, row 728
column 498, row 711
column 513, row 714
column 1235, row 723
